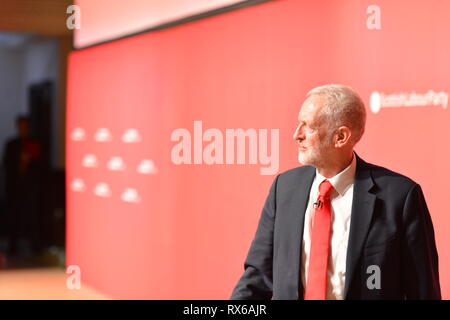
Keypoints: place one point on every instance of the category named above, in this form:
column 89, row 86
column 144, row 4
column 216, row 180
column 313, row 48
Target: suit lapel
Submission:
column 361, row 216
column 296, row 223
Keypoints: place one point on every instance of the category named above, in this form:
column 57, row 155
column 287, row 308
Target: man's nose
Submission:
column 298, row 133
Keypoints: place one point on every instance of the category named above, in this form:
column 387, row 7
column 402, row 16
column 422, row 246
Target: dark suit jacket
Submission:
column 390, row 228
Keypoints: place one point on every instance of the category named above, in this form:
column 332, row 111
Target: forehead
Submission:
column 311, row 108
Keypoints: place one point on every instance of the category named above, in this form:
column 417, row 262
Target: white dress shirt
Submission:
column 341, row 207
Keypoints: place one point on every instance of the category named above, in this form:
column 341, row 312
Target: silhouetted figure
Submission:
column 22, row 165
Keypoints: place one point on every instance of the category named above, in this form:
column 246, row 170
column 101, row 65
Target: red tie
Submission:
column 316, row 287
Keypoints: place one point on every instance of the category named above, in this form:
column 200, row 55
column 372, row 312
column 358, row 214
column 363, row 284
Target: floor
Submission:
column 42, row 284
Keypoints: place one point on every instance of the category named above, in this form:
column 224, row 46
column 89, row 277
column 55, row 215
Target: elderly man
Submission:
column 338, row 227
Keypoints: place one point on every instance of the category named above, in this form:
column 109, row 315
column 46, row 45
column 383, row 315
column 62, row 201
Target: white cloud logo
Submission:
column 78, row 185
column 375, row 102
column 102, row 190
column 103, row 135
column 147, row 167
column 116, row 164
column 131, row 195
column 131, row 136
column 78, row 134
column 90, row 161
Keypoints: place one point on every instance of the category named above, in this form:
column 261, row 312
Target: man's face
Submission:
column 314, row 142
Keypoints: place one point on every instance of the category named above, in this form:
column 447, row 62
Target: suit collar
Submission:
column 361, row 217
column 341, row 181
column 298, row 209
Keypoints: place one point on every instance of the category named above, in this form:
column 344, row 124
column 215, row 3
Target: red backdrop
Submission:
column 183, row 231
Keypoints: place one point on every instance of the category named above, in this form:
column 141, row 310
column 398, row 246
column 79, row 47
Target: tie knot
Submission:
column 325, row 188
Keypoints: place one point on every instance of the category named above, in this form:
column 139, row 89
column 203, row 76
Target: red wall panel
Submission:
column 188, row 234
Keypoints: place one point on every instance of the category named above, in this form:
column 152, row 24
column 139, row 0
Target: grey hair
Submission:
column 343, row 107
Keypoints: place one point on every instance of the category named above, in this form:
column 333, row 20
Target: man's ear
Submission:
column 342, row 136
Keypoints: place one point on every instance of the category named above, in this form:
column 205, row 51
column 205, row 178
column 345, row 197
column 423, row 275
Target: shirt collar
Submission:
column 343, row 180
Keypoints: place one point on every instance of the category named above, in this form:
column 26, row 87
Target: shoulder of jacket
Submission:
column 382, row 175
